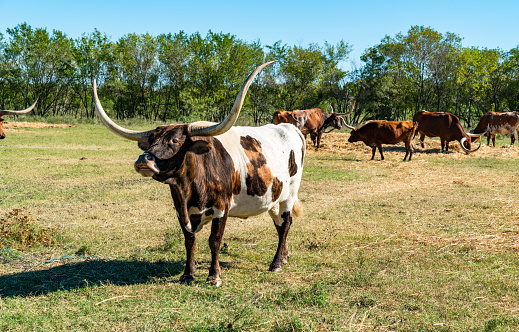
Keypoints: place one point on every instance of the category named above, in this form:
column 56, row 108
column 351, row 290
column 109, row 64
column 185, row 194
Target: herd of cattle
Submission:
column 217, row 170
column 374, row 133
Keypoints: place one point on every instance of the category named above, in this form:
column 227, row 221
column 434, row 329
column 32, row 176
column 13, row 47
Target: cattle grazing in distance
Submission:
column 493, row 123
column 447, row 127
column 378, row 132
column 313, row 121
column 6, row 112
column 215, row 171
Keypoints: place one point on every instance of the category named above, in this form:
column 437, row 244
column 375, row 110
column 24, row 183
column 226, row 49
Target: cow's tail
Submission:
column 297, row 210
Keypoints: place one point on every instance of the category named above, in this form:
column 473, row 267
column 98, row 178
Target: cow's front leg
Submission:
column 373, row 151
column 282, row 251
column 190, row 269
column 215, row 242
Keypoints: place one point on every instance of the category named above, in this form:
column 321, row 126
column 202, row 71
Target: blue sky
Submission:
column 361, row 23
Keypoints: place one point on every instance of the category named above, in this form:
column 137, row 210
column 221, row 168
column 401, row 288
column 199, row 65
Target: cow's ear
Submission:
column 143, row 143
column 200, row 147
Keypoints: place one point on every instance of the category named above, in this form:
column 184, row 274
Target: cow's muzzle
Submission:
column 146, row 165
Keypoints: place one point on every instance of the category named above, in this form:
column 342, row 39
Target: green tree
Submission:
column 174, row 57
column 92, row 55
column 42, row 63
column 220, row 63
column 136, row 76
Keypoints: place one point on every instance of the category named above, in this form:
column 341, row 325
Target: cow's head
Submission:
column 166, row 147
column 354, row 136
column 2, row 113
column 467, row 140
column 298, row 118
column 336, row 120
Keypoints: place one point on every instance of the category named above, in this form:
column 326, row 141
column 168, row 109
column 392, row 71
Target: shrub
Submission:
column 19, row 230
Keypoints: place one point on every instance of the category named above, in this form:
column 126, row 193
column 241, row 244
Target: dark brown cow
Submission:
column 297, row 118
column 215, row 170
column 378, row 132
column 494, row 123
column 447, row 126
column 2, row 113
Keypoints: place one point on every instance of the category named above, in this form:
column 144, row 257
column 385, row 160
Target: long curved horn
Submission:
column 475, row 135
column 228, row 122
column 27, row 110
column 346, row 125
column 344, row 114
column 467, row 151
column 126, row 133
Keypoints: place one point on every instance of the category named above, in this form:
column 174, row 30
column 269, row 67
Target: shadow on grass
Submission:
column 72, row 276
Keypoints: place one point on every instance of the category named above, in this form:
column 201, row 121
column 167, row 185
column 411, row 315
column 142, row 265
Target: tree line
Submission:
column 180, row 77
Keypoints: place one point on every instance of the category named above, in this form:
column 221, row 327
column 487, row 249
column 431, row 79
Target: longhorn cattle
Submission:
column 447, row 126
column 297, row 117
column 216, row 170
column 493, row 123
column 312, row 121
column 2, row 113
column 378, row 132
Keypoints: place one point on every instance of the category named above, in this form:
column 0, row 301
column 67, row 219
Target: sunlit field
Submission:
column 87, row 244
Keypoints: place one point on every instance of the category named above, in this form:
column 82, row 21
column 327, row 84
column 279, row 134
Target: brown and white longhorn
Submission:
column 216, row 171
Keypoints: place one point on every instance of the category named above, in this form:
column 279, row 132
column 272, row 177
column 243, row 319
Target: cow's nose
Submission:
column 144, row 158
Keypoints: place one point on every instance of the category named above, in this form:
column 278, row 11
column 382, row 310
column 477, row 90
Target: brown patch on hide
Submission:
column 259, row 176
column 277, row 187
column 236, row 183
column 292, row 166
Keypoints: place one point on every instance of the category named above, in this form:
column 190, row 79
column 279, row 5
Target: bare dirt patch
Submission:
column 33, row 125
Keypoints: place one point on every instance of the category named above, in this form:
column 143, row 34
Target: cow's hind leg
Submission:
column 373, row 150
column 215, row 242
column 380, row 150
column 408, row 150
column 282, row 223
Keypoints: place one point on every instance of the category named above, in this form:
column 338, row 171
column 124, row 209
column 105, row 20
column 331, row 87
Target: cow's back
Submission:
column 269, row 161
column 498, row 123
column 436, row 124
column 387, row 132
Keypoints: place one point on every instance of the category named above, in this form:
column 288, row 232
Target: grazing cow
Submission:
column 297, row 118
column 378, row 132
column 215, row 170
column 2, row 113
column 447, row 126
column 494, row 123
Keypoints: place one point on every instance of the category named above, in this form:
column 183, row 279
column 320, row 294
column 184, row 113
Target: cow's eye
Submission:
column 174, row 141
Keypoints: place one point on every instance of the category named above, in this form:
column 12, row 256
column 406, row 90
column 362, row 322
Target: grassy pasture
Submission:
column 426, row 245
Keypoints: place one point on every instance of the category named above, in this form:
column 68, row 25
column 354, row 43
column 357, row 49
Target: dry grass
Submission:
column 337, row 143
